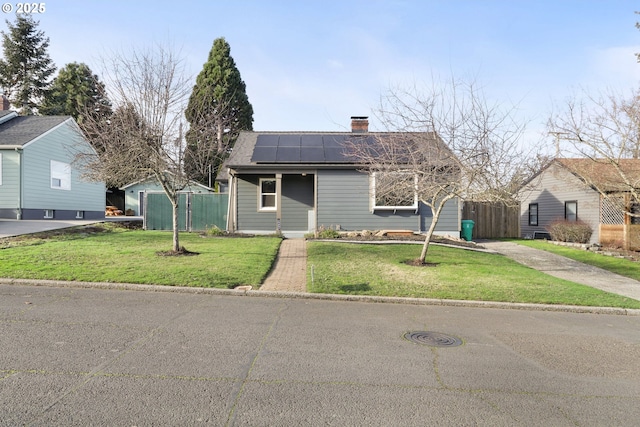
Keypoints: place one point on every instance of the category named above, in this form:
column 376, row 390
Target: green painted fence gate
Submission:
column 196, row 211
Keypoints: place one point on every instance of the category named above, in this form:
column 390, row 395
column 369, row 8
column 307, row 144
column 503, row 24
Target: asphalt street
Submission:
column 71, row 356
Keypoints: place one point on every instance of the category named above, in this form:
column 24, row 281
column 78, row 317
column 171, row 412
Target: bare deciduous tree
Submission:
column 143, row 138
column 604, row 131
column 445, row 142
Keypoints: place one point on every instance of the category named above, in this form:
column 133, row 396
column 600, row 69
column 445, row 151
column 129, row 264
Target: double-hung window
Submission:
column 533, row 214
column 267, row 194
column 571, row 210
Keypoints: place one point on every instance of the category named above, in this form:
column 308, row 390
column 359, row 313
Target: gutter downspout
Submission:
column 21, row 185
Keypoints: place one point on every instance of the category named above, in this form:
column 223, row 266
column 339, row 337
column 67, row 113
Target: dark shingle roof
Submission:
column 21, row 130
column 305, row 148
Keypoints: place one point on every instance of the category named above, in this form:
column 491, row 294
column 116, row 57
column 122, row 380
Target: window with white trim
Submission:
column 267, row 194
column 394, row 191
column 60, row 175
column 48, row 213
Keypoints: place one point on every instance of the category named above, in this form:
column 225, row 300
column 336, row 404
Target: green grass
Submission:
column 119, row 255
column 111, row 254
column 621, row 266
column 458, row 274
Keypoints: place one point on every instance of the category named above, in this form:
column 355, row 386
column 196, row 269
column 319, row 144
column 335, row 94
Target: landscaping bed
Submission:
column 388, row 236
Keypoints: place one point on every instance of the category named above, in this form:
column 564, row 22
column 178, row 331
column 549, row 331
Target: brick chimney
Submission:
column 6, row 105
column 359, row 124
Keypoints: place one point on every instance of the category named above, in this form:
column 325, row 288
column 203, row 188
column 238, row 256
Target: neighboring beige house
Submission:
column 572, row 189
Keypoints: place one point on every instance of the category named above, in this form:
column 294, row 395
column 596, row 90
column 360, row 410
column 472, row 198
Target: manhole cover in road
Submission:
column 433, row 339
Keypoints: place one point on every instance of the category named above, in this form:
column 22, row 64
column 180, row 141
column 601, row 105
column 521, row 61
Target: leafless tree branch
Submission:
column 144, row 137
column 452, row 140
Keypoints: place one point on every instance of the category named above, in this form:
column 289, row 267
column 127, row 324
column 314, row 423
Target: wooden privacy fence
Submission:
column 493, row 220
column 196, row 212
column 626, row 236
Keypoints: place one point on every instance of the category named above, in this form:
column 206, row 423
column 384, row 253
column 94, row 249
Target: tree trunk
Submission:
column 219, row 135
column 176, row 231
column 432, row 228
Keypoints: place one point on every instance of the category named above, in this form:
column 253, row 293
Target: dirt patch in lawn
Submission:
column 418, row 263
column 181, row 252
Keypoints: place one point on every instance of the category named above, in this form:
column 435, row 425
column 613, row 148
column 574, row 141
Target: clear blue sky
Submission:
column 311, row 64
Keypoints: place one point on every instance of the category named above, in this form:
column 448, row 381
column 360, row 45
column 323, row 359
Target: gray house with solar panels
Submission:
column 298, row 182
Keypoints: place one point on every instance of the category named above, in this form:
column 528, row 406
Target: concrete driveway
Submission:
column 115, row 357
column 567, row 269
column 12, row 227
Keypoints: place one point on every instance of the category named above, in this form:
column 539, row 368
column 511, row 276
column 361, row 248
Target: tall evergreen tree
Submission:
column 26, row 68
column 76, row 92
column 218, row 109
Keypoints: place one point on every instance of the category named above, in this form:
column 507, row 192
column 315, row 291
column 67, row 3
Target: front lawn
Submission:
column 362, row 269
column 107, row 254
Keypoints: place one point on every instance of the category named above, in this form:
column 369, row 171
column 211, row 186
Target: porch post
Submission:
column 278, row 203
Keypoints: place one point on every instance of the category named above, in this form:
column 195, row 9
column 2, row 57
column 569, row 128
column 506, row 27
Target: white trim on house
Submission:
column 263, row 195
column 60, row 175
column 374, row 199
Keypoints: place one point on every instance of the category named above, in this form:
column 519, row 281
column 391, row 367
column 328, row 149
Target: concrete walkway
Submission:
column 289, row 273
column 568, row 269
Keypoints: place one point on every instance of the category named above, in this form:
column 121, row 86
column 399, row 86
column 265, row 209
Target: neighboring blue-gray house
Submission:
column 38, row 176
column 135, row 193
column 298, row 182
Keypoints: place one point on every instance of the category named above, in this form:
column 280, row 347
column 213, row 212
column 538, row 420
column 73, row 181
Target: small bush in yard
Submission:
column 570, row 231
column 214, row 231
column 327, row 233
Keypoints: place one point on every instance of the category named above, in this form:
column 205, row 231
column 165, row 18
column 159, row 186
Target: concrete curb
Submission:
column 327, row 297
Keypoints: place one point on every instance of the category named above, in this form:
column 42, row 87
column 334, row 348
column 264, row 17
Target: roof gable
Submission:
column 19, row 131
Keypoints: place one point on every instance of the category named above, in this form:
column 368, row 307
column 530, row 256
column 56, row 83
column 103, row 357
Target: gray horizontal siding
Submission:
column 343, row 200
column 60, row 144
column 449, row 221
column 550, row 190
column 249, row 217
column 10, row 182
column 297, row 199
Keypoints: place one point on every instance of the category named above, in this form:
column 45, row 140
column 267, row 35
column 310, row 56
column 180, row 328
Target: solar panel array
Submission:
column 303, row 148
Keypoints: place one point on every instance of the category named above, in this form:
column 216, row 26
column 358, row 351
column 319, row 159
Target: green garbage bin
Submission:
column 467, row 229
